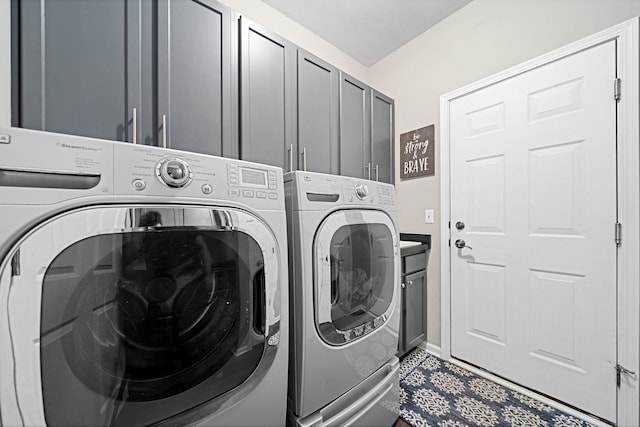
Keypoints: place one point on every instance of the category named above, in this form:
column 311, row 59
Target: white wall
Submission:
column 481, row 39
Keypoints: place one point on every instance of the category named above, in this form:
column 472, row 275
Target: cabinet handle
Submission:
column 135, row 125
column 402, row 285
column 368, row 168
column 410, row 282
column 164, row 131
column 377, row 173
column 290, row 157
column 304, row 159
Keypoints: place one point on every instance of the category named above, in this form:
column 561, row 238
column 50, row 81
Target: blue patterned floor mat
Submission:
column 437, row 393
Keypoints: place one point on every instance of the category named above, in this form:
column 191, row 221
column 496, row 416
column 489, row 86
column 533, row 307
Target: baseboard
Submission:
column 430, row 348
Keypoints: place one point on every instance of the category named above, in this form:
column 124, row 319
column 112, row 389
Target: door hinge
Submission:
column 617, row 89
column 622, row 370
column 618, row 233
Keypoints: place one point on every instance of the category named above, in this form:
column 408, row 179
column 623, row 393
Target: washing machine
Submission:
column 139, row 286
column 344, row 287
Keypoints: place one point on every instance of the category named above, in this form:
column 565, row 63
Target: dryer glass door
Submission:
column 356, row 264
column 146, row 312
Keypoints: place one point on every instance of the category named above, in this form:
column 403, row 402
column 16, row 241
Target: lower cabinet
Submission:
column 413, row 297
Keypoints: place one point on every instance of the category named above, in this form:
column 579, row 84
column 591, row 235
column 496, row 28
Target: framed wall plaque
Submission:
column 417, row 153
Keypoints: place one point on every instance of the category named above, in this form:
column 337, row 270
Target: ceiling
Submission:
column 367, row 30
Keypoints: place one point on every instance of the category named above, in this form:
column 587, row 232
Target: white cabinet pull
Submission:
column 290, row 157
column 368, row 167
column 304, row 159
column 135, row 125
column 377, row 179
column 164, row 131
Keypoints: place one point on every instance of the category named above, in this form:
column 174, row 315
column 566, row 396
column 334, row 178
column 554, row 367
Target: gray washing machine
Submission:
column 344, row 285
column 139, row 286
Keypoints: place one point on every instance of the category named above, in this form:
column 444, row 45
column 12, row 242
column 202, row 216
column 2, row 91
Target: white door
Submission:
column 533, row 180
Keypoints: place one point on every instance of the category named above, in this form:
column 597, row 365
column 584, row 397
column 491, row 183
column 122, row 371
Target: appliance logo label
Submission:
column 77, row 147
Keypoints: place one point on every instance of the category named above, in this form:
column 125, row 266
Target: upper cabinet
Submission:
column 74, row 67
column 382, row 132
column 366, row 131
column 267, row 97
column 193, row 75
column 355, row 128
column 317, row 115
column 157, row 73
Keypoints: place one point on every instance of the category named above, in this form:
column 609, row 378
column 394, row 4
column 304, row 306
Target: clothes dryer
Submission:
column 139, row 286
column 344, row 287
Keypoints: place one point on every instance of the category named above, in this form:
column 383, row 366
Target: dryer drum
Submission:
column 159, row 314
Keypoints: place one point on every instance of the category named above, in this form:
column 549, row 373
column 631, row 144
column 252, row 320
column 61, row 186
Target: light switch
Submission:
column 428, row 216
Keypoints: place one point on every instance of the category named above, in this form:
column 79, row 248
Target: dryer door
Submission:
column 356, row 274
column 127, row 316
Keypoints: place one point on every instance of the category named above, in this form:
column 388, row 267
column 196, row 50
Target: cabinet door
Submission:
column 317, row 114
column 382, row 116
column 413, row 309
column 73, row 70
column 194, row 69
column 355, row 128
column 267, row 97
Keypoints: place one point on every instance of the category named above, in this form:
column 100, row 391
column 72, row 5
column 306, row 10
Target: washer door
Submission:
column 141, row 313
column 356, row 274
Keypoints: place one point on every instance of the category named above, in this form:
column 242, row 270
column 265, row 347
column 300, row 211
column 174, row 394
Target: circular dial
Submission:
column 175, row 173
column 362, row 191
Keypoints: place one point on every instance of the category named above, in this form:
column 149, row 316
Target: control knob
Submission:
column 362, row 191
column 174, row 173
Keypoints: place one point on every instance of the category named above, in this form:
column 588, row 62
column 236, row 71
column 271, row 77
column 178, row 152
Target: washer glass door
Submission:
column 148, row 312
column 356, row 269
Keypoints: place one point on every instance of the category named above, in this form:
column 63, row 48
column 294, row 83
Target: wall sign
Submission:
column 417, row 154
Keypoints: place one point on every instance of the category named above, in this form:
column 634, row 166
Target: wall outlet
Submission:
column 428, row 216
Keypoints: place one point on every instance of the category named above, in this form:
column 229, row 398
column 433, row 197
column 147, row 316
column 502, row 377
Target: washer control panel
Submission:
column 252, row 181
column 362, row 191
column 145, row 170
column 174, row 173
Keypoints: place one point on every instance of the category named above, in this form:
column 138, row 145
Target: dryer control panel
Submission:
column 320, row 191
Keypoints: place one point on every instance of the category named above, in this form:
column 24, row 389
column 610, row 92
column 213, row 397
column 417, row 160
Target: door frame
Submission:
column 627, row 39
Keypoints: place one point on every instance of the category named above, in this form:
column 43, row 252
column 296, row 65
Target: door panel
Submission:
column 355, row 145
column 317, row 114
column 356, row 274
column 533, row 177
column 139, row 313
column 73, row 67
column 193, row 74
column 382, row 118
column 267, row 97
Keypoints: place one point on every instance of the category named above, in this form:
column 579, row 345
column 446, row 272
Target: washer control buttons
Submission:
column 206, row 189
column 362, row 191
column 174, row 173
column 138, row 184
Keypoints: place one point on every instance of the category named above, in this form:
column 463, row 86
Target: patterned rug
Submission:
column 437, row 393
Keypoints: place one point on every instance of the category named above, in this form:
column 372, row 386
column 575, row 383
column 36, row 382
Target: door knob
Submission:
column 460, row 225
column 461, row 244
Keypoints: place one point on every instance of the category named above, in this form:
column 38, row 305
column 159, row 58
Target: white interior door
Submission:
column 533, row 180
